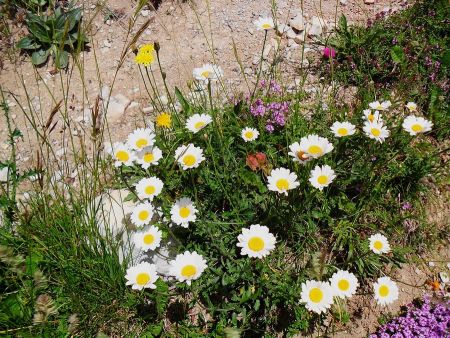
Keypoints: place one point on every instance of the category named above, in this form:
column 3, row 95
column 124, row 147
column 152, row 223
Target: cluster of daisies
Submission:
column 256, row 241
column 318, row 296
column 313, row 146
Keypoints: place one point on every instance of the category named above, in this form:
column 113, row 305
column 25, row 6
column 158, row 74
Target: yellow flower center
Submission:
column 378, row 245
column 322, row 179
column 205, row 73
column 122, row 156
column 342, row 131
column 383, row 291
column 266, row 26
column 315, row 150
column 248, row 134
column 282, row 184
column 149, row 157
column 142, row 278
column 417, row 128
column 188, row 271
column 143, row 215
column 256, row 244
column 315, row 295
column 343, row 285
column 380, row 107
column 141, row 143
column 189, row 160
column 199, row 125
column 371, row 117
column 149, row 239
column 150, row 190
column 185, row 212
column 375, row 132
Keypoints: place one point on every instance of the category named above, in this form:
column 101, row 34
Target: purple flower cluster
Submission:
column 274, row 111
column 423, row 321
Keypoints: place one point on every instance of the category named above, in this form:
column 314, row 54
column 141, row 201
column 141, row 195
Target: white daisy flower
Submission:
column 189, row 156
column 343, row 283
column 377, row 105
column 376, row 131
column 142, row 276
column 183, row 212
column 281, row 180
column 415, row 125
column 142, row 214
column 411, row 106
column 379, row 244
column 149, row 156
column 197, row 122
column 341, row 129
column 321, row 177
column 297, row 154
column 256, row 241
column 207, row 72
column 121, row 154
column 187, row 266
column 385, row 290
column 315, row 146
column 141, row 138
column 149, row 187
column 318, row 296
column 370, row 116
column 147, row 239
column 249, row 134
column 264, row 24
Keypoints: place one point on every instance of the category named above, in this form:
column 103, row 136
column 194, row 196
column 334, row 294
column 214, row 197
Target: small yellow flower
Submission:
column 145, row 59
column 145, row 55
column 147, row 48
column 164, row 120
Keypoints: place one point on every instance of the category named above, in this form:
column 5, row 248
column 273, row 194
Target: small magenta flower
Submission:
column 329, row 53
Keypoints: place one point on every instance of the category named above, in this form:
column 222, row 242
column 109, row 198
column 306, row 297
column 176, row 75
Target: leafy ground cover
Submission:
column 268, row 212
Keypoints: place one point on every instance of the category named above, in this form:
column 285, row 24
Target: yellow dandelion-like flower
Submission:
column 147, row 48
column 144, row 58
column 164, row 120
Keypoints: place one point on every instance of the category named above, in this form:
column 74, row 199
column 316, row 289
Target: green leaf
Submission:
column 27, row 43
column 184, row 103
column 342, row 24
column 397, row 54
column 39, row 57
column 62, row 59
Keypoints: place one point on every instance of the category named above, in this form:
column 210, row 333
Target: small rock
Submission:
column 107, row 44
column 148, row 109
column 4, row 174
column 300, row 38
column 248, row 71
column 104, row 93
column 116, row 107
column 145, row 13
column 297, row 23
column 291, row 43
column 343, row 2
column 369, row 2
column 282, row 28
column 291, row 34
column 317, row 26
